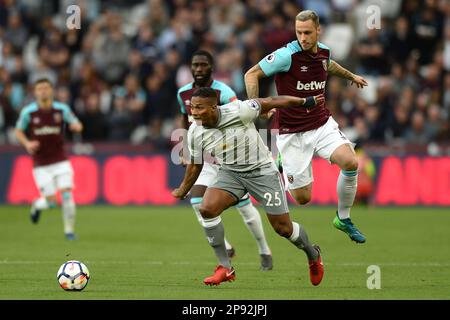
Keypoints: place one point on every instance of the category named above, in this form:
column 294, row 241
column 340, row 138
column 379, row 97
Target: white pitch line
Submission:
column 345, row 264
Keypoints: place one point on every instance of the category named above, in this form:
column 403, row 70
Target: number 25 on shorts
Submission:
column 272, row 199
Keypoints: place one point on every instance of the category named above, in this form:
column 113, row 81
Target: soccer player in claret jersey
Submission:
column 44, row 121
column 301, row 69
column 202, row 67
column 246, row 166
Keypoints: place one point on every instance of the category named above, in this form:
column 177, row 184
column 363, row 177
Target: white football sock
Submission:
column 346, row 190
column 253, row 221
column 69, row 211
column 41, row 203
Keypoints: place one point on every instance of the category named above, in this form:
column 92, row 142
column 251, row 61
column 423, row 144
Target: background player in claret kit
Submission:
column 45, row 120
column 301, row 69
column 202, row 67
column 246, row 166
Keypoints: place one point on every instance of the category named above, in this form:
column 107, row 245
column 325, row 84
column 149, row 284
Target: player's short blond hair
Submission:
column 306, row 15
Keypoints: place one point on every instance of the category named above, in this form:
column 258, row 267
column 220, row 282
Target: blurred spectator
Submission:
column 134, row 97
column 120, row 121
column 110, row 52
column 94, row 122
column 400, row 41
column 53, row 50
column 427, row 25
column 122, row 69
column 372, row 53
column 418, row 133
column 15, row 32
column 399, row 124
column 277, row 33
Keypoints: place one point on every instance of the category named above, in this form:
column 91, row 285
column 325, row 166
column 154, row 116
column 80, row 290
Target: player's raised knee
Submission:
column 302, row 198
column 208, row 212
column 351, row 164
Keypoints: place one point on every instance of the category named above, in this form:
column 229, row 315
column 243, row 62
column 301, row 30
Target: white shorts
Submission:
column 297, row 150
column 53, row 177
column 208, row 175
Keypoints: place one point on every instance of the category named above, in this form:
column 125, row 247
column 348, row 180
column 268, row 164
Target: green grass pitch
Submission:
column 161, row 253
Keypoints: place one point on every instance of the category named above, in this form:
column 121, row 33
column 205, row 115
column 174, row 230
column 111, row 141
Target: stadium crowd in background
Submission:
column 121, row 70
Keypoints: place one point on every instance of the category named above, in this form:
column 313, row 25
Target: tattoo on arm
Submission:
column 336, row 69
column 252, row 90
column 252, row 81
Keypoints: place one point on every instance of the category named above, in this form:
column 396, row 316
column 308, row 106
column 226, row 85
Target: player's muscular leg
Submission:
column 215, row 201
column 344, row 156
column 197, row 191
column 282, row 224
column 302, row 195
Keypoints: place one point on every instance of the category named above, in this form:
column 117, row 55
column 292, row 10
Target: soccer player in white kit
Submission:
column 246, row 166
column 45, row 121
column 201, row 67
column 301, row 69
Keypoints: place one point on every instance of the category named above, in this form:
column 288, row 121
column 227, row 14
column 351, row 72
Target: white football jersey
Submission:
column 234, row 141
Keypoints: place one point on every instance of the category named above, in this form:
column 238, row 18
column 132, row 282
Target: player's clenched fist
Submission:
column 319, row 99
column 32, row 146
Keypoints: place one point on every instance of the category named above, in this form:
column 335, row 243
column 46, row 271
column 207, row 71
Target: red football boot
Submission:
column 220, row 275
column 316, row 269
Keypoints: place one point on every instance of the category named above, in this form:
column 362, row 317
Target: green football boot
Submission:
column 347, row 226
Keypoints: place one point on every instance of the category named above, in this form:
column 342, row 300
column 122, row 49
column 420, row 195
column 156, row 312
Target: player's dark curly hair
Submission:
column 205, row 54
column 205, row 92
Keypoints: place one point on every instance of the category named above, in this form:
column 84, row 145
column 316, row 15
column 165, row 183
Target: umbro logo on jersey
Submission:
column 313, row 85
column 187, row 102
column 303, row 68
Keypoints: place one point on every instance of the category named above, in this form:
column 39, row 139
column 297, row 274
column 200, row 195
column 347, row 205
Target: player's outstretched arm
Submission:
column 338, row 70
column 251, row 79
column 190, row 176
column 289, row 102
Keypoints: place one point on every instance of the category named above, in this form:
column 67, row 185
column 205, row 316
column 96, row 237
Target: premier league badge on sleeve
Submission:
column 325, row 64
column 254, row 105
column 270, row 58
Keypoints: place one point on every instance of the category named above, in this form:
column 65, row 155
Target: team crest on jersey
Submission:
column 187, row 102
column 290, row 178
column 57, row 117
column 325, row 65
column 270, row 58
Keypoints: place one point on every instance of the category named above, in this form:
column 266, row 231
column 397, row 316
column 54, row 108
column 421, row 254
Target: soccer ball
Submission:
column 73, row 276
